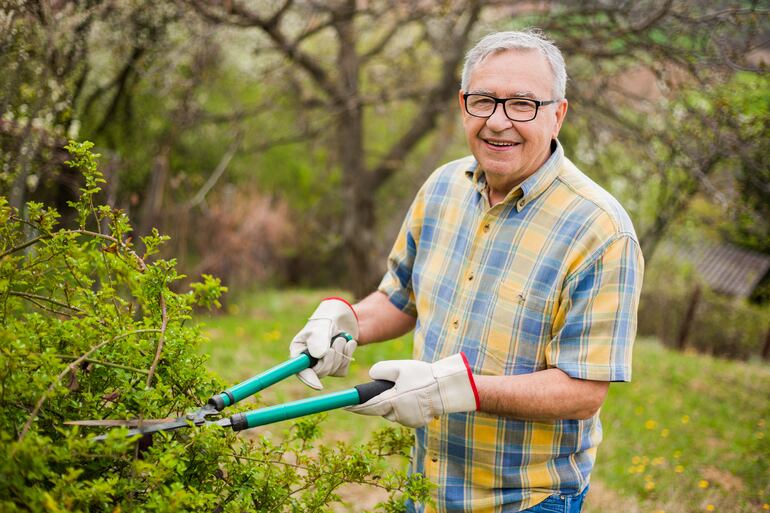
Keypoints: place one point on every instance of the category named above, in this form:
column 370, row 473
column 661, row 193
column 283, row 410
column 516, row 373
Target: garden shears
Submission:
column 359, row 394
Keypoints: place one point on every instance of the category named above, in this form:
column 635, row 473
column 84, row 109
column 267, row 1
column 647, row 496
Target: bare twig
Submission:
column 102, row 362
column 22, row 246
column 218, row 172
column 71, row 368
column 31, row 297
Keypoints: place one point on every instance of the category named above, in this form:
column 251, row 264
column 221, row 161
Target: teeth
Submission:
column 493, row 143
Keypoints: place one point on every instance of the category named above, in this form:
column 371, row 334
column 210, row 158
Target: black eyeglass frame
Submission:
column 538, row 104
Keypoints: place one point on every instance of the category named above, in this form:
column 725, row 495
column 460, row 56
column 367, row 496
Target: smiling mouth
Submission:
column 501, row 144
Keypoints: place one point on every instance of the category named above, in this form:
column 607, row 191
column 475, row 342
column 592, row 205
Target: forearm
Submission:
column 541, row 396
column 379, row 320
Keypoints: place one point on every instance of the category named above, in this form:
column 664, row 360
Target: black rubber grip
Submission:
column 372, row 389
column 217, row 402
column 238, row 422
column 313, row 359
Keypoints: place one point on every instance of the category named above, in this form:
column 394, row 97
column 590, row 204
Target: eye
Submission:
column 481, row 101
column 519, row 104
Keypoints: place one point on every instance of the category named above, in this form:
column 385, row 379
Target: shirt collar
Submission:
column 530, row 188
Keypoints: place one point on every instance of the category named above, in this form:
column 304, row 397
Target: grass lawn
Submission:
column 689, row 434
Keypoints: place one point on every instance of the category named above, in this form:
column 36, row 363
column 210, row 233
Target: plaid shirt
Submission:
column 549, row 277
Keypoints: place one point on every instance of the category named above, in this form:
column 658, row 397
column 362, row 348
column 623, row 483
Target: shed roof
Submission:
column 728, row 269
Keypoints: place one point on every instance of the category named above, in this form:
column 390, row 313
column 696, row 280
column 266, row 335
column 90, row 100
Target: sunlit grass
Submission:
column 689, row 434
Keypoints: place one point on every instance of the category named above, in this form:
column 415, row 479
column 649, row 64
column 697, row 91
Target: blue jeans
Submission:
column 560, row 504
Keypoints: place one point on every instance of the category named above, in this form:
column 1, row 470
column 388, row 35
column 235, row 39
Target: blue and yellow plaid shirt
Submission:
column 549, row 277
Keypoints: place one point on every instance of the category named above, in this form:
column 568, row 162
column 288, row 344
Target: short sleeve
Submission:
column 598, row 315
column 397, row 282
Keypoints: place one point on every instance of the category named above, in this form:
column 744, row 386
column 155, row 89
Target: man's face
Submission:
column 510, row 151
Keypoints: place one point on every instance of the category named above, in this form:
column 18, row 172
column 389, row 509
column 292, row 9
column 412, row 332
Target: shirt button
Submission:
column 522, row 203
column 470, row 276
column 456, row 324
column 486, row 228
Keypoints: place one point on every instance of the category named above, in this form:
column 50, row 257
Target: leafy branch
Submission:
column 72, row 367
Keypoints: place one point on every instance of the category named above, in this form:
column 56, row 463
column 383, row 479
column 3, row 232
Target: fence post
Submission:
column 689, row 318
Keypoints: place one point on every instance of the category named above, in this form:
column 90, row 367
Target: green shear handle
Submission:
column 351, row 397
column 269, row 377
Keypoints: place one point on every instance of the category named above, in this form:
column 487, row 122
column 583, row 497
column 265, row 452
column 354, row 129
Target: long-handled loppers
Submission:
column 240, row 421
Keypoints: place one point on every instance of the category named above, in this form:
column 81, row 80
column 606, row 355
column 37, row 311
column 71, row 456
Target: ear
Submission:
column 560, row 113
column 461, row 101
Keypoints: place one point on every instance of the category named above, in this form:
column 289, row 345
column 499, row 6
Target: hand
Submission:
column 322, row 337
column 423, row 390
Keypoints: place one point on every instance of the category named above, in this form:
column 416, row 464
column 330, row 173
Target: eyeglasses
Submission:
column 515, row 109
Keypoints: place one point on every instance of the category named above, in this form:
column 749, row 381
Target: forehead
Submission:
column 512, row 72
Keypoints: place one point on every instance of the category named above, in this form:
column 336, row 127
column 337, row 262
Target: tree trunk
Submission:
column 359, row 221
column 153, row 199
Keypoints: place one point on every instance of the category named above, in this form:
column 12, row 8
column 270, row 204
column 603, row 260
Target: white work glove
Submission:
column 332, row 317
column 422, row 390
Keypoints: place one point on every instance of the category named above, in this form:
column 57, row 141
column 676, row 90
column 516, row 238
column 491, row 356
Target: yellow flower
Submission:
column 664, row 433
column 635, row 460
column 649, row 485
column 272, row 335
column 679, row 469
column 677, row 454
column 710, row 507
column 650, row 424
column 703, row 484
column 766, row 506
column 658, row 461
column 685, row 419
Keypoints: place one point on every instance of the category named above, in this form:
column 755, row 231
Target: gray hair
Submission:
column 529, row 39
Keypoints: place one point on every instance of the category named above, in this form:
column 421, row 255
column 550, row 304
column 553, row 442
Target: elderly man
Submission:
column 521, row 278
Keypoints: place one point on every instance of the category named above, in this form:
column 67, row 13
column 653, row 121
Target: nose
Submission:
column 498, row 121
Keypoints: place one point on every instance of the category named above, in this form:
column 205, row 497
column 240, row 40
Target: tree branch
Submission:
column 121, row 80
column 426, row 119
column 27, row 295
column 22, row 246
column 217, row 174
column 245, row 18
column 101, row 362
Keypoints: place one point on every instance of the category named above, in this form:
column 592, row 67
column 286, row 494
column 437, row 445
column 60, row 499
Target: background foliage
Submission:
column 332, row 114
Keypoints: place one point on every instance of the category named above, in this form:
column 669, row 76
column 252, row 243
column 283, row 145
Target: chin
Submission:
column 497, row 168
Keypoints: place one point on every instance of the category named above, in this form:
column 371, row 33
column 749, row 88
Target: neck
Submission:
column 496, row 196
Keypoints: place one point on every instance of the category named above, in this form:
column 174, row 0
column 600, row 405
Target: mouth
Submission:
column 499, row 144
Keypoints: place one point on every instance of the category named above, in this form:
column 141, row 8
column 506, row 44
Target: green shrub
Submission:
column 90, row 329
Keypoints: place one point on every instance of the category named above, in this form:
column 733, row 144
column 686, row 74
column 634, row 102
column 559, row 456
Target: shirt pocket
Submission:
column 519, row 331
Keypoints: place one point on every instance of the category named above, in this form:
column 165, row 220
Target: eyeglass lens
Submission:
column 518, row 109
